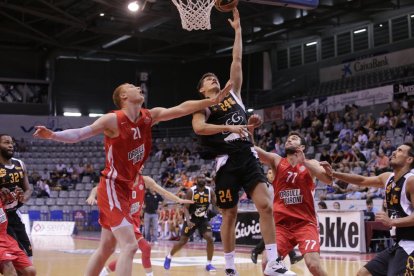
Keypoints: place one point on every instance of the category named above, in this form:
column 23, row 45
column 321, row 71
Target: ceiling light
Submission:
column 250, row 110
column 93, row 115
column 380, row 25
column 360, row 31
column 101, row 14
column 133, row 6
column 311, row 43
column 72, row 114
column 412, row 16
column 115, row 41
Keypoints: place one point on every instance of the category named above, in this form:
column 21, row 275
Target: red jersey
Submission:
column 294, row 189
column 126, row 153
column 3, row 221
column 137, row 200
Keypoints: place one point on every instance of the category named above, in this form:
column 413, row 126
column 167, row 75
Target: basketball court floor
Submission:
column 67, row 256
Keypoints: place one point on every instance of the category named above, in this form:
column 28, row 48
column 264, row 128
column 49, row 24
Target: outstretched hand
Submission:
column 185, row 201
column 235, row 23
column 327, row 167
column 255, row 121
column 242, row 130
column 42, row 132
column 222, row 94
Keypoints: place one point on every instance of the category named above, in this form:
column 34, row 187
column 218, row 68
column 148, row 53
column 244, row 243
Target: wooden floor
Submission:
column 67, row 256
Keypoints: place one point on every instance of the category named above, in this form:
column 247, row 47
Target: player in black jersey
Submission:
column 223, row 133
column 13, row 175
column 399, row 196
column 196, row 217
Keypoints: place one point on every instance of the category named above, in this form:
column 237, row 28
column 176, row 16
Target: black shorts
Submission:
column 17, row 230
column 393, row 261
column 203, row 226
column 242, row 170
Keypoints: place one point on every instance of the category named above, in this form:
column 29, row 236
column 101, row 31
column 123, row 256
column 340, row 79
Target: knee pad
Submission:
column 145, row 248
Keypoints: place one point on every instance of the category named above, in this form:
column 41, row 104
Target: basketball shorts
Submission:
column 304, row 234
column 10, row 251
column 393, row 261
column 241, row 171
column 17, row 230
column 113, row 203
column 203, row 226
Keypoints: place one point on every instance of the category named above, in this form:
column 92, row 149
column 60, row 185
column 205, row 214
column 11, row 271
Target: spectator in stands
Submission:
column 152, row 200
column 370, row 206
column 383, row 162
column 60, row 166
column 336, row 205
column 42, row 188
column 64, row 182
column 344, row 131
column 353, row 192
column 44, row 175
column 297, row 121
column 383, row 121
column 388, row 147
column 372, row 162
column 325, row 156
column 322, row 205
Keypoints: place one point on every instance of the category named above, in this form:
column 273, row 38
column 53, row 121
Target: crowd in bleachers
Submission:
column 351, row 141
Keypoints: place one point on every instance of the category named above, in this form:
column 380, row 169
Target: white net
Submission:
column 195, row 14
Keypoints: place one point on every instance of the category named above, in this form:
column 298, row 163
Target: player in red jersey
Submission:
column 127, row 145
column 12, row 258
column 293, row 203
column 137, row 200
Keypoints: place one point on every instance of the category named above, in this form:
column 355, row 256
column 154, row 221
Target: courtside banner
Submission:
column 53, row 228
column 248, row 228
column 342, row 231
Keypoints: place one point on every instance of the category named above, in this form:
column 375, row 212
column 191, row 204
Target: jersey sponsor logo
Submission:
column 291, row 196
column 141, row 187
column 2, row 172
column 134, row 208
column 235, row 119
column 3, row 217
column 137, row 154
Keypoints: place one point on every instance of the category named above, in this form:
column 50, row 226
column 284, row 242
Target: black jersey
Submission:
column 398, row 205
column 12, row 176
column 230, row 111
column 202, row 199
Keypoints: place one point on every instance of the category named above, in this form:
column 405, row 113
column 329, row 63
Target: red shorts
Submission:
column 10, row 251
column 304, row 234
column 113, row 203
column 137, row 224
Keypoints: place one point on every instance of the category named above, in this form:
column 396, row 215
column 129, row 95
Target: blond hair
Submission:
column 116, row 96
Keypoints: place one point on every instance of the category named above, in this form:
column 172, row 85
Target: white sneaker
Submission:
column 277, row 268
column 104, row 272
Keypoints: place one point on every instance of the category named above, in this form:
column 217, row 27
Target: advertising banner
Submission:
column 53, row 228
column 366, row 65
column 378, row 95
column 342, row 231
column 248, row 228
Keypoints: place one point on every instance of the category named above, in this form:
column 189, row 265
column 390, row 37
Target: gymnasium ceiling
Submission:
column 74, row 28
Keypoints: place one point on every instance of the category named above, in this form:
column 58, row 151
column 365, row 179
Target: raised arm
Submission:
column 314, row 167
column 27, row 189
column 105, row 124
column 236, row 74
column 268, row 158
column 150, row 183
column 160, row 114
column 372, row 181
column 200, row 126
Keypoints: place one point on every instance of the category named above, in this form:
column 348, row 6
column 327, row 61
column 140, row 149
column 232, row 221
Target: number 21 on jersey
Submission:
column 136, row 133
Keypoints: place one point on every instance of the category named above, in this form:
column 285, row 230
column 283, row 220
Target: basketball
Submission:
column 225, row 5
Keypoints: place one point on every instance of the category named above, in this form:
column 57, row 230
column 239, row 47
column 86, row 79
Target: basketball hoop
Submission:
column 195, row 14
